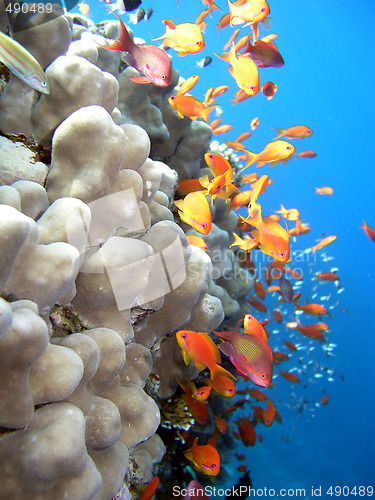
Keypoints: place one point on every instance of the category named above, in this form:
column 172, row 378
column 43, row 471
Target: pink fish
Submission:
column 153, row 62
column 250, row 355
column 194, row 491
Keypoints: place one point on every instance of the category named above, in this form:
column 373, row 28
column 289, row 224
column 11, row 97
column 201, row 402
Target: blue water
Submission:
column 327, row 83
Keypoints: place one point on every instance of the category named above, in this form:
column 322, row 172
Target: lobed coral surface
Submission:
column 96, row 271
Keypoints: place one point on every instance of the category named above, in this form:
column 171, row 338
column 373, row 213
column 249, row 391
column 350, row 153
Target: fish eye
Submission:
column 282, row 254
column 263, row 376
column 163, row 77
column 184, row 336
column 198, row 42
column 204, row 224
column 288, row 147
column 213, row 466
column 173, row 97
column 252, row 87
column 44, row 84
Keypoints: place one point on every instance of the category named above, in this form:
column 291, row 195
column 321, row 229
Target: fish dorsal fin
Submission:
column 171, row 25
column 268, row 38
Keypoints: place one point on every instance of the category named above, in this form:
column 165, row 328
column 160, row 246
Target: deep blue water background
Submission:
column 327, row 83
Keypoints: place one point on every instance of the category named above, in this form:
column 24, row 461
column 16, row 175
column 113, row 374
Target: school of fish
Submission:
column 288, row 282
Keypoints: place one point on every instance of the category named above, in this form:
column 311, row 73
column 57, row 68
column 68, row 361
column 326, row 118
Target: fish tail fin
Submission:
column 207, row 111
column 123, row 41
column 219, row 370
column 280, row 132
column 237, row 240
column 225, row 56
column 251, row 158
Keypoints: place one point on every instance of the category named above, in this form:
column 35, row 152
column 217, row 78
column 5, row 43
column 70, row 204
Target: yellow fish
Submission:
column 184, row 38
column 187, row 105
column 244, row 71
column 195, row 211
column 273, row 238
column 273, row 153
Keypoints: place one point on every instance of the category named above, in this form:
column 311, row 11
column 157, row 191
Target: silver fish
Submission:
column 21, row 63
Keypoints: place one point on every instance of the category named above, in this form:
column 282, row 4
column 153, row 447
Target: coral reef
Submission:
column 96, row 272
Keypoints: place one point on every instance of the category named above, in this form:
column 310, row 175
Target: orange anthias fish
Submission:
column 290, row 376
column 246, row 431
column 150, row 489
column 223, row 174
column 185, row 38
column 197, row 241
column 324, row 400
column 84, row 8
column 197, row 409
column 205, row 458
column 327, row 277
column 221, row 425
column 188, row 84
column 306, row 154
column 254, row 123
column 273, row 238
column 277, row 315
column 311, row 332
column 195, row 211
column 256, row 304
column 240, row 199
column 246, row 244
column 279, row 357
column 248, row 11
column 269, row 89
column 257, row 395
column 223, row 129
column 211, row 6
column 153, row 62
column 324, row 190
column 201, row 393
column 274, row 153
column 244, row 70
column 297, row 132
column 299, row 229
column 314, row 309
column 290, row 345
column 187, row 105
column 369, row 232
column 222, row 385
column 250, row 354
column 288, row 213
column 259, row 289
column 199, row 348
column 323, row 243
column 269, row 414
